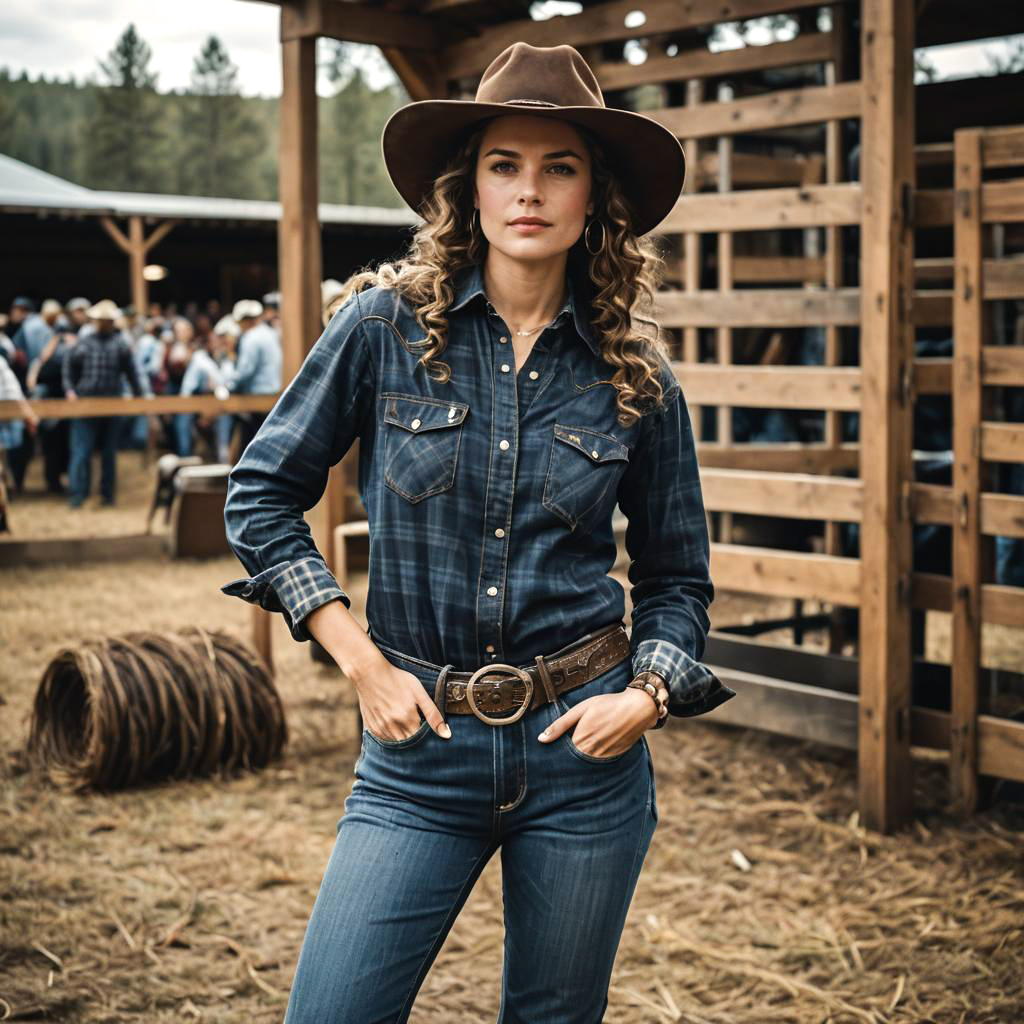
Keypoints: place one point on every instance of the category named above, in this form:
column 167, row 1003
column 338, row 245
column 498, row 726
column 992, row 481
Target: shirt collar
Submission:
column 469, row 282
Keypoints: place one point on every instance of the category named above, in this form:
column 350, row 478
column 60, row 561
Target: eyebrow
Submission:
column 547, row 156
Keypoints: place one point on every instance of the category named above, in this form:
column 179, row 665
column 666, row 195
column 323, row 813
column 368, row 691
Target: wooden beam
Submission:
column 783, row 457
column 759, row 307
column 797, row 495
column 886, row 260
column 771, row 111
column 766, row 209
column 774, row 573
column 772, row 387
column 602, row 23
column 1002, row 442
column 418, row 73
column 299, row 254
column 804, row 49
column 137, row 257
column 363, row 23
column 968, row 327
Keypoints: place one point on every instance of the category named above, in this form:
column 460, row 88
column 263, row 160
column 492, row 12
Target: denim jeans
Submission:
column 423, row 818
column 85, row 433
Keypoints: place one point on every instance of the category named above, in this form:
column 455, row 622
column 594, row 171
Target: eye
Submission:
column 566, row 167
column 502, row 163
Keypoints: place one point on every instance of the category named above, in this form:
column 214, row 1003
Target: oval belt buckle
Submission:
column 486, row 670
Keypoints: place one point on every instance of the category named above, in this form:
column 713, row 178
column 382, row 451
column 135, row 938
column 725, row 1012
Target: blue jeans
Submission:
column 85, row 433
column 423, row 818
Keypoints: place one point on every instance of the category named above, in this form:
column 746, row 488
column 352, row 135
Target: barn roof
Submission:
column 27, row 189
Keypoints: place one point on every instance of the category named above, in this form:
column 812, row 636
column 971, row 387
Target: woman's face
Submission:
column 532, row 166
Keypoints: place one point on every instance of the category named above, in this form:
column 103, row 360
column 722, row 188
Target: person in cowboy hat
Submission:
column 94, row 366
column 507, row 385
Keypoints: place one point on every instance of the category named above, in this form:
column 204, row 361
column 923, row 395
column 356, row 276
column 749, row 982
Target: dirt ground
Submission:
column 761, row 900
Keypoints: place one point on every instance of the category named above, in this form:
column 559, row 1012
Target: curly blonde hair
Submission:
column 622, row 277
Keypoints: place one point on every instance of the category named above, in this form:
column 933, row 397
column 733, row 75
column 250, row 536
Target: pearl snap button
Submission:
column 503, row 340
column 594, row 453
column 492, row 591
column 504, row 367
column 534, row 375
column 415, row 423
column 499, row 532
column 452, row 412
column 503, row 445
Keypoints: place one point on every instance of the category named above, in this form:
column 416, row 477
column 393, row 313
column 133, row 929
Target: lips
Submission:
column 531, row 220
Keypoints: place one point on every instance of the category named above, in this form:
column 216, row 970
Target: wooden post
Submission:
column 137, row 246
column 691, row 246
column 724, row 418
column 886, row 276
column 299, row 255
column 968, row 328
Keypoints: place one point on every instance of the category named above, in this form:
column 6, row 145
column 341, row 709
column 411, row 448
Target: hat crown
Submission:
column 540, row 76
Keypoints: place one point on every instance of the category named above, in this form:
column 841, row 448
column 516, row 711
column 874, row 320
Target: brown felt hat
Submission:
column 554, row 81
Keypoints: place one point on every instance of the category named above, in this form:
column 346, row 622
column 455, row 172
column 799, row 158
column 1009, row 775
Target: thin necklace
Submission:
column 534, row 330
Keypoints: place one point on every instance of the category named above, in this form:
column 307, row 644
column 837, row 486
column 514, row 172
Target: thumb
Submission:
column 433, row 716
column 561, row 724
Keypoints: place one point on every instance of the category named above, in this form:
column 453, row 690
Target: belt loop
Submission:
column 545, row 678
column 441, row 691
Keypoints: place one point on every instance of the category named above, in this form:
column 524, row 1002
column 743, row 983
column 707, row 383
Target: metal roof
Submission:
column 26, row 189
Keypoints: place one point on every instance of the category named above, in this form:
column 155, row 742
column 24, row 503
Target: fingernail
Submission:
column 445, row 731
column 543, row 735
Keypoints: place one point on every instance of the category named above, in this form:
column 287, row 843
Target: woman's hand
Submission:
column 607, row 724
column 390, row 700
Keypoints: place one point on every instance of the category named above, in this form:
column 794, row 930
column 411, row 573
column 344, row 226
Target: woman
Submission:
column 504, row 703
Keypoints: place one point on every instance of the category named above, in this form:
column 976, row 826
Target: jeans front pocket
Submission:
column 422, row 437
column 405, row 741
column 584, row 469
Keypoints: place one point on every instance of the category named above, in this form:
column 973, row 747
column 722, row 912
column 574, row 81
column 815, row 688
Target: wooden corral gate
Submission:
column 812, row 138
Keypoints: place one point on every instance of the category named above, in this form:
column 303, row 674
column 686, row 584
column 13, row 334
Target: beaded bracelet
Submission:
column 651, row 682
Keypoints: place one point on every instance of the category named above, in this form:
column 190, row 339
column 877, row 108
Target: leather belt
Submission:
column 501, row 687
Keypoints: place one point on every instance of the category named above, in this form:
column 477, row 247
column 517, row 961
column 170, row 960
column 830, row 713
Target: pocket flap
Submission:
column 416, row 413
column 596, row 446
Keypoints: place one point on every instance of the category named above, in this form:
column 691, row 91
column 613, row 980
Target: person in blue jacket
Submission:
column 508, row 390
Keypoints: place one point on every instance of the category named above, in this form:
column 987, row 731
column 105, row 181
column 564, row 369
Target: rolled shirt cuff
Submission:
column 693, row 689
column 294, row 588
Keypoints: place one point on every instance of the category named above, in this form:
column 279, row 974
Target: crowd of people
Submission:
column 80, row 349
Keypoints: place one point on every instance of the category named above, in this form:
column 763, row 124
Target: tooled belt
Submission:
column 501, row 687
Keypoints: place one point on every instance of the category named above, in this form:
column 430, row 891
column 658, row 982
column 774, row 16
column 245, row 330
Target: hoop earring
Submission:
column 586, row 238
column 473, row 222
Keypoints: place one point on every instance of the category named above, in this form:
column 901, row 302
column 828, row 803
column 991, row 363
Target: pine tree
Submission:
column 221, row 141
column 124, row 141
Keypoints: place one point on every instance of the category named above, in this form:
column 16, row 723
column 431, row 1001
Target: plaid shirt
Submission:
column 94, row 364
column 489, row 497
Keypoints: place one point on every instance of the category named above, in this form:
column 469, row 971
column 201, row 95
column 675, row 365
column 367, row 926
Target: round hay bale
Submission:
column 119, row 711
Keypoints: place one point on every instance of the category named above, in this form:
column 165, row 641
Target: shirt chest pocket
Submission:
column 422, row 437
column 584, row 469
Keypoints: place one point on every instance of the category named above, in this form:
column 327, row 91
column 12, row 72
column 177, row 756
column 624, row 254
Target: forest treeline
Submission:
column 119, row 132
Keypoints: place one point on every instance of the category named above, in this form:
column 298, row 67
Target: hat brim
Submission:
column 646, row 157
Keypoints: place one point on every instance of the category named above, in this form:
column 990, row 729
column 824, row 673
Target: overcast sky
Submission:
column 65, row 37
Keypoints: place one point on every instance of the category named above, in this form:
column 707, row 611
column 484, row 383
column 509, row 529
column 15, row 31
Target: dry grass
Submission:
column 761, row 899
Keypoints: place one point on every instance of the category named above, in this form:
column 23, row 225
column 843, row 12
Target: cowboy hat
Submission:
column 550, row 80
column 105, row 309
column 247, row 309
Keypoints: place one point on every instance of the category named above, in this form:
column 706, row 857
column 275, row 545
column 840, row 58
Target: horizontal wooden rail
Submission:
column 794, row 495
column 1002, row 442
column 84, row 408
column 773, row 110
column 1001, row 202
column 1002, row 147
column 776, row 269
column 1002, row 365
column 602, row 23
column 760, row 307
column 933, row 375
column 771, row 387
column 783, row 457
column 804, row 49
column 1000, row 604
column 775, row 573
column 1002, row 515
column 766, row 209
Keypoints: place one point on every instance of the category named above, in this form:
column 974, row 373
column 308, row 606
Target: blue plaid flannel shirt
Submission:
column 489, row 497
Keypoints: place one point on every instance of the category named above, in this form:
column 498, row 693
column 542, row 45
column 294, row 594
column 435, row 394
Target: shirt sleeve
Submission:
column 669, row 559
column 283, row 473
